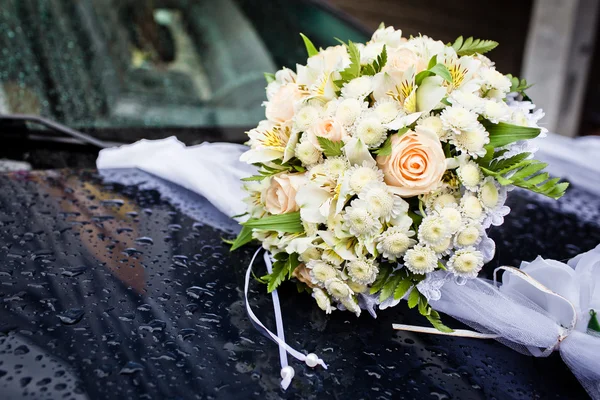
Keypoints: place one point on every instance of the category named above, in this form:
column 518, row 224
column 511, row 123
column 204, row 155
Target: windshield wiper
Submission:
column 79, row 137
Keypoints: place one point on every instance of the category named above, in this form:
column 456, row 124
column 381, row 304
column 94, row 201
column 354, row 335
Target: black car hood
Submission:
column 116, row 290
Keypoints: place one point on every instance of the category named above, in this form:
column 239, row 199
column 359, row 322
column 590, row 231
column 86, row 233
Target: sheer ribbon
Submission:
column 287, row 372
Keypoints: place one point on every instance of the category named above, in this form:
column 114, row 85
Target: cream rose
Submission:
column 402, row 59
column 416, row 165
column 281, row 194
column 280, row 107
column 328, row 128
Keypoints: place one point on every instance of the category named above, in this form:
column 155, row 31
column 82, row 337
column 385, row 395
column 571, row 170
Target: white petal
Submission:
column 430, row 93
column 357, row 152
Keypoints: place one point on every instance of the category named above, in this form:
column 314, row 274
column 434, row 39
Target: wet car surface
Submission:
column 111, row 290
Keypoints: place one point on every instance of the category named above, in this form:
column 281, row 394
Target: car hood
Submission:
column 128, row 288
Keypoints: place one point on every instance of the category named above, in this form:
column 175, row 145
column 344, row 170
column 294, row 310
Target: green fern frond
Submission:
column 472, row 46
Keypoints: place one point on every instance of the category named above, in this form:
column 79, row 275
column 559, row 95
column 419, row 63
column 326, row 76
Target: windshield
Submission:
column 153, row 63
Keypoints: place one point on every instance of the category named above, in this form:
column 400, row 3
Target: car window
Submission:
column 152, row 63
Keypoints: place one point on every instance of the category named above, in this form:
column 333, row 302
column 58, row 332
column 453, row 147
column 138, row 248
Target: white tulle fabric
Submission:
column 542, row 307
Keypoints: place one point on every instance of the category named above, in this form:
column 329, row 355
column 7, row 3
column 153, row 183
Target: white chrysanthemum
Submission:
column 472, row 141
column 305, row 116
column 359, row 221
column 420, row 260
column 360, row 175
column 471, row 207
column 358, row 88
column 387, row 110
column 442, row 198
column 394, row 242
column 453, row 218
column 363, row 270
column 321, row 271
column 495, row 81
column 323, row 300
column 348, row 110
column 336, row 166
column 307, row 153
column 470, row 175
column 382, row 203
column 470, row 235
column 433, row 124
column 357, row 287
column 458, row 119
column 351, row 304
column 371, row 131
column 468, row 100
column 338, row 289
column 496, row 111
column 488, row 194
column 466, row 262
column 433, row 230
column 443, row 248
column 518, row 117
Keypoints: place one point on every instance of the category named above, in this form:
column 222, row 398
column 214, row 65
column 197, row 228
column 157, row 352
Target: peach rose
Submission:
column 328, row 128
column 416, row 165
column 281, row 194
column 280, row 108
column 402, row 59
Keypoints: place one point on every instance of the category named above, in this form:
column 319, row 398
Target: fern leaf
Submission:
column 472, row 46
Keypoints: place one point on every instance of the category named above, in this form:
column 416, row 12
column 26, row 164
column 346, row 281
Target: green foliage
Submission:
column 390, row 287
column 434, row 68
column 289, row 223
column 377, row 65
column 275, row 167
column 269, row 77
column 384, row 272
column 518, row 85
column 502, row 133
column 413, row 298
column 594, row 325
column 244, row 237
column 435, row 320
column 282, row 271
column 386, row 148
column 311, row 50
column 330, row 148
column 472, row 46
column 353, row 70
column 402, row 288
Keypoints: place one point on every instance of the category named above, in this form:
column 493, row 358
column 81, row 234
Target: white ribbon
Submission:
column 287, row 372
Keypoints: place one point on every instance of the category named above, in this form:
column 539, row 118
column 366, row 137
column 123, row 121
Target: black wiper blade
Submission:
column 56, row 127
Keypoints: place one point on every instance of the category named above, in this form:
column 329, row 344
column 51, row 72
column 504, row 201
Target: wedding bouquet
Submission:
column 381, row 165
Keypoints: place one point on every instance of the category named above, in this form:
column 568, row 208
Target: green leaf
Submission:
column 330, row 148
column 310, row 47
column 289, row 223
column 402, row 288
column 381, row 25
column 269, row 77
column 245, row 236
column 413, row 298
column 254, row 178
column 282, row 271
column 441, row 71
column 435, row 320
column 353, row 70
column 384, row 272
column 424, row 308
column 389, row 287
column 432, row 62
column 472, row 46
column 386, row 148
column 502, row 133
column 499, row 165
column 377, row 65
column 594, row 325
column 434, row 68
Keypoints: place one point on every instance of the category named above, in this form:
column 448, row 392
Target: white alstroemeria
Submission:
column 360, row 221
column 420, row 259
column 433, row 230
column 496, row 111
column 306, row 115
column 348, row 110
column 403, row 120
column 300, row 244
column 387, row 110
column 358, row 153
column 472, row 141
column 471, row 207
column 429, row 94
column 395, row 241
column 314, row 203
column 369, row 51
column 270, row 142
column 323, row 300
column 256, row 200
column 370, row 131
column 363, row 270
column 382, row 202
column 399, row 86
column 466, row 263
column 332, row 257
column 492, row 196
column 469, row 174
column 333, row 58
column 344, row 247
column 358, row 88
column 323, row 89
column 432, row 123
column 458, row 119
column 389, row 36
column 463, row 70
column 311, row 253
